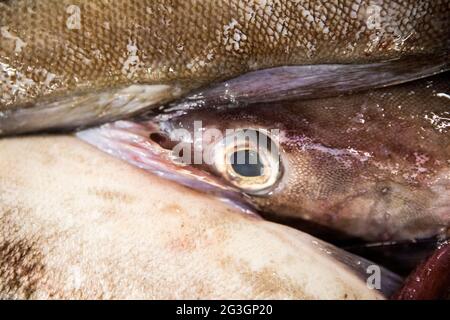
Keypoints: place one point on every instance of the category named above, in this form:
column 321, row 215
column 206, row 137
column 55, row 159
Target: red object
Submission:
column 431, row 279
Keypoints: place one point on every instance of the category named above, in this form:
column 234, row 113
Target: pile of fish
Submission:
column 122, row 125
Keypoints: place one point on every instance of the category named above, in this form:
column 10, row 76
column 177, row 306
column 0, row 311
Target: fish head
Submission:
column 371, row 165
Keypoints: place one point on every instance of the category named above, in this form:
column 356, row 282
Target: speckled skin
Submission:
column 52, row 48
column 375, row 165
column 115, row 232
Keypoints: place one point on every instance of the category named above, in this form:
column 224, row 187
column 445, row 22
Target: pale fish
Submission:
column 76, row 223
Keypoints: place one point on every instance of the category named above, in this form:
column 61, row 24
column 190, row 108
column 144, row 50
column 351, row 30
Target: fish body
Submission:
column 65, row 64
column 76, row 223
column 374, row 165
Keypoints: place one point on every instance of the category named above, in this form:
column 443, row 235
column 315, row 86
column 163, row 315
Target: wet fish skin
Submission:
column 54, row 51
column 78, row 224
column 374, row 165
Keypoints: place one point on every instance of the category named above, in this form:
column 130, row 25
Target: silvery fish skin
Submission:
column 76, row 223
column 374, row 165
column 69, row 63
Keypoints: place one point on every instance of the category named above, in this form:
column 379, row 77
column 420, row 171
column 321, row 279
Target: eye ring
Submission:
column 261, row 168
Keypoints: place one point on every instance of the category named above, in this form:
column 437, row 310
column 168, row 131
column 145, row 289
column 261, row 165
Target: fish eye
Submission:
column 250, row 166
column 249, row 160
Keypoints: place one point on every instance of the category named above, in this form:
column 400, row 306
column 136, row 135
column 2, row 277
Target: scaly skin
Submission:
column 55, row 48
column 373, row 165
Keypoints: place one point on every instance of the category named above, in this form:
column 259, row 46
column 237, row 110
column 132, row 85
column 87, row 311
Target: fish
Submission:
column 66, row 64
column 373, row 165
column 76, row 223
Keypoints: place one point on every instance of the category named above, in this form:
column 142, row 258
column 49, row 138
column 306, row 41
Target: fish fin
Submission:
column 84, row 109
column 311, row 82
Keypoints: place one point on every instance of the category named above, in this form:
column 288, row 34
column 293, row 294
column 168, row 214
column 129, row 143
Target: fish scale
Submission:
column 81, row 45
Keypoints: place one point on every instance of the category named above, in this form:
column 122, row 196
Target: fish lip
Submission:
column 130, row 141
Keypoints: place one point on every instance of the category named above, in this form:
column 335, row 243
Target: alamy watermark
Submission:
column 374, row 279
column 239, row 146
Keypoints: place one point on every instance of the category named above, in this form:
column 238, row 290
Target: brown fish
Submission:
column 375, row 165
column 71, row 63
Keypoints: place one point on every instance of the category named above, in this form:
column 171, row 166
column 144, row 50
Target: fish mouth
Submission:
column 146, row 146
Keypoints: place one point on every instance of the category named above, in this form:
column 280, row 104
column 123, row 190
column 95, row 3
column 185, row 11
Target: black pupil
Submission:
column 247, row 163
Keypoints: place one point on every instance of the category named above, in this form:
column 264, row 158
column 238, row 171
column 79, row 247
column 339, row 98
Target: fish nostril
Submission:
column 163, row 140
